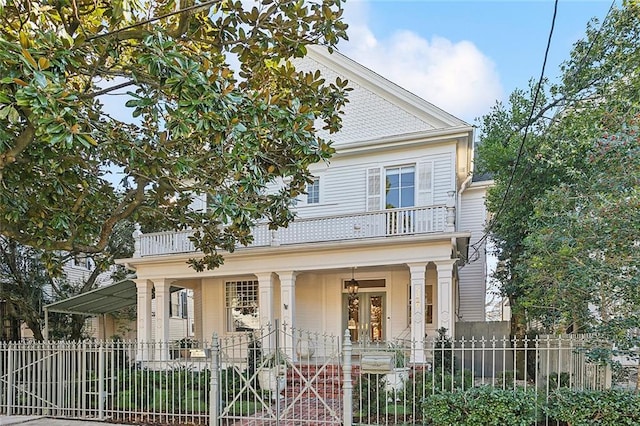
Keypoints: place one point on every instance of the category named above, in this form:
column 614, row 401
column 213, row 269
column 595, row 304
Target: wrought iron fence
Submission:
column 287, row 376
column 394, row 384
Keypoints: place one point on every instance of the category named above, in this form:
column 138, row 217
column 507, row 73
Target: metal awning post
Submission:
column 104, row 326
column 46, row 324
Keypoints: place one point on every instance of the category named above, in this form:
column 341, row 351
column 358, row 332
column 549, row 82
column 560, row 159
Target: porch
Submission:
column 402, row 302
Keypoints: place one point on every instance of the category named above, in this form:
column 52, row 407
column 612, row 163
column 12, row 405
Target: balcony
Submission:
column 385, row 223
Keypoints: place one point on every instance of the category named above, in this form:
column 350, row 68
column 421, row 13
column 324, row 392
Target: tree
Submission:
column 199, row 126
column 583, row 260
column 31, row 278
column 541, row 180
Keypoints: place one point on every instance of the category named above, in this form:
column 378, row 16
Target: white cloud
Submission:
column 456, row 77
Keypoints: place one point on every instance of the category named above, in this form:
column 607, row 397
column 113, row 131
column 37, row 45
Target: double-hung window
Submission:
column 400, row 187
column 313, row 191
column 241, row 305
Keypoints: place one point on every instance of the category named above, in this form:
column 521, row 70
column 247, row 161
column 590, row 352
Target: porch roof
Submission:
column 101, row 300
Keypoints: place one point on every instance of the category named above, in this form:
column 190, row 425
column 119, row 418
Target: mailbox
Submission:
column 376, row 363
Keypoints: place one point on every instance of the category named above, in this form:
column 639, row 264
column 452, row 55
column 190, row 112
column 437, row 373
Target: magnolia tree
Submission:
column 196, row 125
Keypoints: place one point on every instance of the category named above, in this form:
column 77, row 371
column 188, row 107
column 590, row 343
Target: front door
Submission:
column 365, row 317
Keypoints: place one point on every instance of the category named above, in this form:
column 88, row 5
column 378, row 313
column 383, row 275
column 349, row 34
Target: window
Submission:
column 428, row 304
column 313, row 191
column 428, row 296
column 400, row 187
column 179, row 306
column 241, row 305
column 82, row 262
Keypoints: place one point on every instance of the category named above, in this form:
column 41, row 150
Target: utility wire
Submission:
column 477, row 244
column 524, row 137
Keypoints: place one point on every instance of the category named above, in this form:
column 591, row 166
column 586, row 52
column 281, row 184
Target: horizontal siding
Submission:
column 343, row 184
column 472, row 286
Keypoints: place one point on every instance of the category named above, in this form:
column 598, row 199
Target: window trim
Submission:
column 400, row 168
column 253, row 303
column 316, row 183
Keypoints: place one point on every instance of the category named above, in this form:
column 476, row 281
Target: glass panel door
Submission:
column 365, row 317
column 375, row 318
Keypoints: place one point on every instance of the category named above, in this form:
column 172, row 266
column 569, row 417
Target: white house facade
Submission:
column 395, row 210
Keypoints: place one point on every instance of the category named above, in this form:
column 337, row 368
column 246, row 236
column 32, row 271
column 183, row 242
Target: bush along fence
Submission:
column 287, row 376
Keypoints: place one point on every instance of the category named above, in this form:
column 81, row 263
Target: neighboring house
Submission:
column 396, row 210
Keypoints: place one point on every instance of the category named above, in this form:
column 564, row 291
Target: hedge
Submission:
column 482, row 406
column 586, row 408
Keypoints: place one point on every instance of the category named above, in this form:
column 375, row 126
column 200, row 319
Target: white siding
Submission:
column 367, row 115
column 472, row 286
column 344, row 184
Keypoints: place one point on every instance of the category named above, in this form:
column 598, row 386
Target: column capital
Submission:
column 264, row 276
column 445, row 265
column 161, row 282
column 417, row 266
column 142, row 283
column 288, row 275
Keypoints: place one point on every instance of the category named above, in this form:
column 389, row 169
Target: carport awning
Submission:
column 102, row 300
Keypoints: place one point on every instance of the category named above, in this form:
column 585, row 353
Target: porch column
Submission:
column 197, row 313
column 265, row 306
column 288, row 310
column 417, row 271
column 163, row 299
column 446, row 300
column 144, row 290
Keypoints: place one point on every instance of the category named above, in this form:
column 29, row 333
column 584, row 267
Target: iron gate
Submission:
column 277, row 376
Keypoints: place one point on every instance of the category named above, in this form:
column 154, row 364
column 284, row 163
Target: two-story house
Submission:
column 394, row 211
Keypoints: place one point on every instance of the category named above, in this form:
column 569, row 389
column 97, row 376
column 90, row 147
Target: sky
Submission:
column 464, row 56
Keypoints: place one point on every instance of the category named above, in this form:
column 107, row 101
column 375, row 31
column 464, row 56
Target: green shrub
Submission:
column 563, row 381
column 369, row 395
column 481, row 406
column 585, row 408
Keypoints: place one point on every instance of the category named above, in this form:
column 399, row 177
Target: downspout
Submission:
column 463, row 187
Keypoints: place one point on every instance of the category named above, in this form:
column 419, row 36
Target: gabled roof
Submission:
column 377, row 108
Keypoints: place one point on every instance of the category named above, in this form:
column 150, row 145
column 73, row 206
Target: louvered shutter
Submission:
column 425, row 183
column 373, row 189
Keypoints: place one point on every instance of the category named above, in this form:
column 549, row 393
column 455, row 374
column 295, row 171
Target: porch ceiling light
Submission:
column 352, row 285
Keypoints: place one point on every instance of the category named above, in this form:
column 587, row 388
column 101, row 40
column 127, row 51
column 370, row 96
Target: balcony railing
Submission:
column 384, row 223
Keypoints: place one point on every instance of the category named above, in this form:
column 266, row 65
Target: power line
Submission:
column 524, row 137
column 476, row 245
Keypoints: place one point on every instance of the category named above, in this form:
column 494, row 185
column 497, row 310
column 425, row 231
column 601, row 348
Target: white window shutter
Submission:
column 373, row 189
column 425, row 183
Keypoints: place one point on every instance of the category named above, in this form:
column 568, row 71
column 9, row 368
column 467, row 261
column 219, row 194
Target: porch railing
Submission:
column 384, row 223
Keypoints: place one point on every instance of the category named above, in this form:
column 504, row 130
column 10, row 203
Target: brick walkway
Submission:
column 309, row 411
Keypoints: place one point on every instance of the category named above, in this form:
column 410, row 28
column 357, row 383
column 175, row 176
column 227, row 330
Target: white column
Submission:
column 446, row 300
column 163, row 299
column 288, row 310
column 265, row 294
column 266, row 311
column 417, row 271
column 144, row 290
column 198, row 332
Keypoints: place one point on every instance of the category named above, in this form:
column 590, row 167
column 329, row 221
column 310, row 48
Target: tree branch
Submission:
column 22, row 142
column 107, row 90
